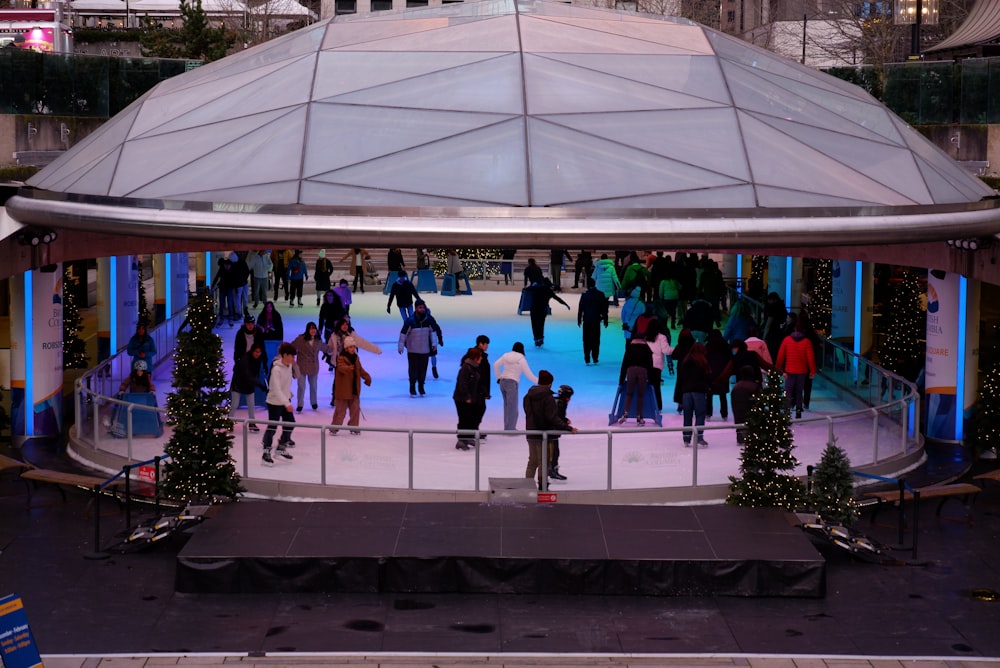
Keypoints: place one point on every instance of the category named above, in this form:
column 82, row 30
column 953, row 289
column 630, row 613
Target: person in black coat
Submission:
column 248, row 336
column 403, row 293
column 468, row 396
column 249, row 373
column 591, row 313
column 541, row 294
column 719, row 355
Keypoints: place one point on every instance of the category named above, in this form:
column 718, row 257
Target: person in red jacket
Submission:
column 798, row 362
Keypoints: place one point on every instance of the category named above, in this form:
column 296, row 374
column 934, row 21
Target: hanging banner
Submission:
column 127, row 298
column 180, row 287
column 17, row 644
column 46, row 340
column 777, row 266
column 842, row 302
column 940, row 360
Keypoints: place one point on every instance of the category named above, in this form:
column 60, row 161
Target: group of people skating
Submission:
column 657, row 298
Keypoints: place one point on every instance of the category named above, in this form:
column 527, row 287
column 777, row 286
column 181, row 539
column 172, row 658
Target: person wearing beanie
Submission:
column 417, row 337
column 541, row 413
column 321, row 275
column 509, row 368
column 279, row 404
column 347, row 385
column 247, row 336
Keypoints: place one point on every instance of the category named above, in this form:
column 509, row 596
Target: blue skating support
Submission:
column 448, row 285
column 649, row 409
column 424, row 281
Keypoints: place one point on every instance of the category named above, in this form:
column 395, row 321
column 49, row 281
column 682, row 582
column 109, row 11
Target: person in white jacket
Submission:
column 659, row 344
column 279, row 403
column 508, row 369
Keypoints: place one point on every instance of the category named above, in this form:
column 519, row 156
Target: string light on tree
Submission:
column 766, row 460
column 74, row 348
column 200, row 467
column 902, row 350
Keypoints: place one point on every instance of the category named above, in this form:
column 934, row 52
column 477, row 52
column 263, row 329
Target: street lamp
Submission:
column 916, row 13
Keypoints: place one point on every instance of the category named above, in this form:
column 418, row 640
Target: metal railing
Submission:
column 891, row 413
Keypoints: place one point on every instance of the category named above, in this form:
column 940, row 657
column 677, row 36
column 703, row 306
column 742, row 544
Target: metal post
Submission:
column 902, row 517
column 156, row 484
column 609, row 461
column 916, row 519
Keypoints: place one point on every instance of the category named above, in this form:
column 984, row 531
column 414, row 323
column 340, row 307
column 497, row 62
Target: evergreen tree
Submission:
column 821, row 305
column 143, row 304
column 985, row 428
column 766, row 460
column 902, row 350
column 195, row 40
column 74, row 348
column 200, row 466
column 832, row 494
column 472, row 260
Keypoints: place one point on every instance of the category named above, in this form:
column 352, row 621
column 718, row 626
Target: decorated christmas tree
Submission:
column 200, row 467
column 902, row 350
column 143, row 304
column 74, row 348
column 821, row 305
column 472, row 260
column 984, row 435
column 832, row 494
column 766, row 460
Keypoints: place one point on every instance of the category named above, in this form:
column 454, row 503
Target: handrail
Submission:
column 892, row 402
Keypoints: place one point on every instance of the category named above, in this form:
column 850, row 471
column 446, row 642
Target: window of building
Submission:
column 345, row 7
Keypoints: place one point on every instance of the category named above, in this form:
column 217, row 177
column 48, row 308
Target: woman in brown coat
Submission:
column 347, row 387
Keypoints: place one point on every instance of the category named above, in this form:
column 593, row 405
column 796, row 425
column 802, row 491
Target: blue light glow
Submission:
column 963, row 315
column 788, row 281
column 168, row 279
column 739, row 273
column 29, row 355
column 113, row 304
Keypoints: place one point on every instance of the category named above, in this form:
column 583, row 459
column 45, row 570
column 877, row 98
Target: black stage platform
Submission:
column 528, row 549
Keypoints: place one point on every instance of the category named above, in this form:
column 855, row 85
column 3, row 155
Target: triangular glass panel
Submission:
column 282, row 89
column 490, row 86
column 722, row 197
column 943, row 189
column 357, row 34
column 334, row 194
column 744, row 53
column 697, row 76
column 779, row 160
column 704, row 138
column 172, row 112
column 94, row 180
column 342, row 135
column 774, row 198
column 566, row 163
column 339, row 72
column 756, row 94
column 485, row 166
column 494, row 34
column 685, row 39
column 91, row 150
column 868, row 114
column 544, row 36
column 284, row 192
column 972, row 187
column 147, row 158
column 554, row 87
column 890, row 165
column 268, row 154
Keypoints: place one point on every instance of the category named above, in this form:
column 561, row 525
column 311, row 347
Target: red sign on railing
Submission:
column 546, row 497
column 147, row 473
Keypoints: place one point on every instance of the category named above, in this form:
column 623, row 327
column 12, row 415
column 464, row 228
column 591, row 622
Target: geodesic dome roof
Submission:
column 504, row 103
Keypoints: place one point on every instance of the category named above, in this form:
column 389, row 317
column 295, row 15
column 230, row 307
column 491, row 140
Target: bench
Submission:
column 61, row 479
column 993, row 475
column 944, row 492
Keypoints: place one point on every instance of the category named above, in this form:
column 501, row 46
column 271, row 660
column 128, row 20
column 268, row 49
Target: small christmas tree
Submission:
column 821, row 305
column 201, row 466
column 74, row 348
column 766, row 460
column 143, row 304
column 832, row 495
column 902, row 351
